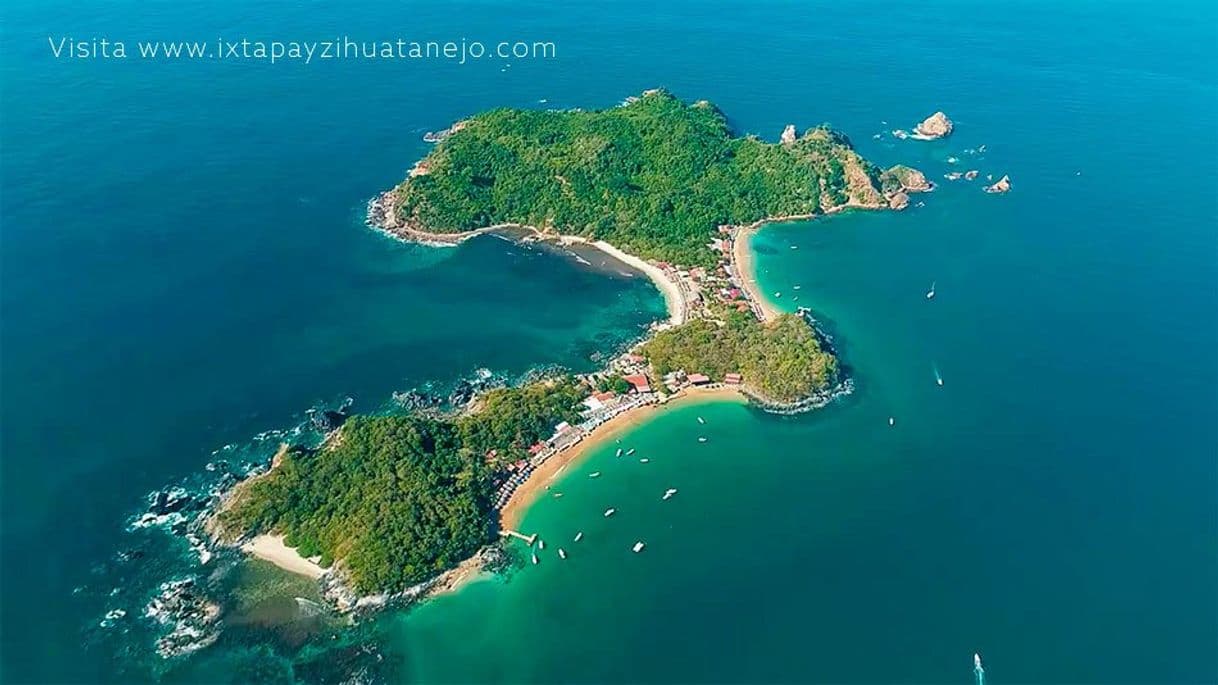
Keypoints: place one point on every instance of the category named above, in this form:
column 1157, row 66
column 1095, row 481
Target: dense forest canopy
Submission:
column 783, row 360
column 510, row 420
column 654, row 177
column 398, row 499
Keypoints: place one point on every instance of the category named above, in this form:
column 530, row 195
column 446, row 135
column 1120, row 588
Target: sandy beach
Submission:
column 555, row 466
column 742, row 259
column 673, row 297
column 382, row 214
column 271, row 548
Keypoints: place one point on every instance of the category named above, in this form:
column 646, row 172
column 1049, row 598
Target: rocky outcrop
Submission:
column 788, row 134
column 1002, row 185
column 439, row 136
column 328, row 421
column 898, row 201
column 191, row 617
column 934, row 126
column 904, row 178
column 383, row 210
column 970, row 174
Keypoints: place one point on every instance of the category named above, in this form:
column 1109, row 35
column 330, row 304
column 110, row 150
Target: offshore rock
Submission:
column 328, row 421
column 191, row 616
column 934, row 126
column 1001, row 186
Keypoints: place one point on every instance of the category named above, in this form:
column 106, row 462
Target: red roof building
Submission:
column 639, row 381
column 698, row 379
column 732, row 379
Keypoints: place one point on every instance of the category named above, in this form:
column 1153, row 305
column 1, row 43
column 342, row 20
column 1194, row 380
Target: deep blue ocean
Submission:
column 184, row 266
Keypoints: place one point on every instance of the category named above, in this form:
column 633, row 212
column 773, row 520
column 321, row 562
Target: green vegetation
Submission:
column 615, row 383
column 655, row 177
column 783, row 360
column 509, row 420
column 398, row 499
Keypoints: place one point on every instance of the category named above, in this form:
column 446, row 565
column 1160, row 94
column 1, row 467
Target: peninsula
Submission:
column 663, row 186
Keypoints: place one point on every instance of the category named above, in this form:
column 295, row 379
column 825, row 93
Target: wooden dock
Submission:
column 528, row 539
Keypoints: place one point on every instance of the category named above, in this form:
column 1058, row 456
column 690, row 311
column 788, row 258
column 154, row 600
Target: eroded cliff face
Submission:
column 934, row 126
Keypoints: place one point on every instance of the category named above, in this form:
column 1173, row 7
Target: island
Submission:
column 396, row 504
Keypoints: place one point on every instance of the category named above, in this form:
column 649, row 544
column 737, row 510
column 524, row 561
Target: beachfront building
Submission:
column 733, row 379
column 598, row 400
column 639, row 382
column 698, row 379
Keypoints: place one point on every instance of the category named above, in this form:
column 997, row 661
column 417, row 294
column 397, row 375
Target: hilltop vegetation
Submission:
column 509, row 420
column 783, row 361
column 397, row 499
column 654, row 177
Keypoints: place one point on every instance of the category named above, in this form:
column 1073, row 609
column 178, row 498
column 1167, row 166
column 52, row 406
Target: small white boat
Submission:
column 701, row 420
column 939, row 381
column 669, row 493
column 930, row 294
column 535, row 559
column 594, row 474
column 638, row 547
column 619, row 452
column 541, row 544
column 892, row 421
column 795, row 287
column 562, row 553
column 644, row 460
column 609, row 512
column 794, row 247
column 630, row 451
column 579, row 536
column 777, row 294
column 557, row 495
column 701, row 439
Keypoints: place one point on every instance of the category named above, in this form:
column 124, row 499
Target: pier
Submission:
column 528, row 539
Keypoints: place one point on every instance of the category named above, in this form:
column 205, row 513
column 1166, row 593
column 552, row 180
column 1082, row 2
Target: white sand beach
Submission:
column 272, row 548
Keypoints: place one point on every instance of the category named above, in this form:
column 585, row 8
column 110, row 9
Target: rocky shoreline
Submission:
column 839, row 386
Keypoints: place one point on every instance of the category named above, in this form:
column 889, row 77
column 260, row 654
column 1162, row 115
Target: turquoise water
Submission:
column 184, row 267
